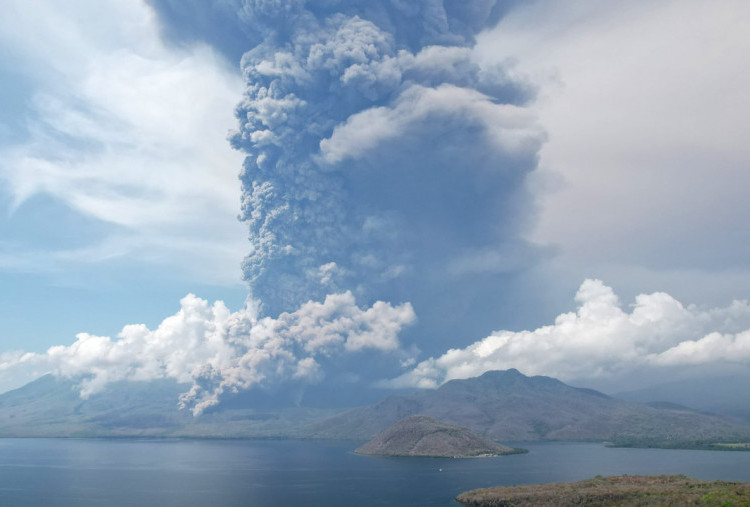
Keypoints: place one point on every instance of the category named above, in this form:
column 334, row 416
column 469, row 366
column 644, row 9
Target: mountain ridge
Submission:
column 499, row 405
column 509, row 406
column 52, row 407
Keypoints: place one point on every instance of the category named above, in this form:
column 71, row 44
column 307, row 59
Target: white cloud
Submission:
column 127, row 130
column 217, row 350
column 600, row 340
column 712, row 347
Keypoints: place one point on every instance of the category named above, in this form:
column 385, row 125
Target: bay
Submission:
column 134, row 472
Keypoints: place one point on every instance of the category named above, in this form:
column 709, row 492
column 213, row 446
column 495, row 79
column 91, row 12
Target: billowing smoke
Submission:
column 382, row 158
column 385, row 168
column 217, row 351
column 385, row 179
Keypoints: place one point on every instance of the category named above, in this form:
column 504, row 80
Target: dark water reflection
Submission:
column 277, row 472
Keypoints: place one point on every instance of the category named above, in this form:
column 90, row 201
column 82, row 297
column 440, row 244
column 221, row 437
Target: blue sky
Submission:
column 117, row 200
column 422, row 189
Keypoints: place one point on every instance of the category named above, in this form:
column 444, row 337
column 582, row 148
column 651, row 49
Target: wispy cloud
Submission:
column 127, row 130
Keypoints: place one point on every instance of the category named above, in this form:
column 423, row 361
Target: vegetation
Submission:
column 653, row 490
column 736, row 446
column 703, row 445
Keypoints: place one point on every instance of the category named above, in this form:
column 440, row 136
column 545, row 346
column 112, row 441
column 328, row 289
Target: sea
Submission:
column 165, row 472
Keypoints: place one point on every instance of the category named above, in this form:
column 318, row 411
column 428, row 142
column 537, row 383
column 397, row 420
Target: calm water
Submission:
column 268, row 472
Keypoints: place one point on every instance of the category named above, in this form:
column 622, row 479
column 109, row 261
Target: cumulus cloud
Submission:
column 601, row 339
column 218, row 351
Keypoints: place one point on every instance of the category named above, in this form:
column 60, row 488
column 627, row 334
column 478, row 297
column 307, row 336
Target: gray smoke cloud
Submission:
column 385, row 193
column 382, row 158
column 383, row 189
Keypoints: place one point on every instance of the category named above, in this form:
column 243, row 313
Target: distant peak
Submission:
column 493, row 379
column 512, row 372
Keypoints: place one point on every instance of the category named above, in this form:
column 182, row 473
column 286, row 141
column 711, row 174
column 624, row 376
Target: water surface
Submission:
column 72, row 472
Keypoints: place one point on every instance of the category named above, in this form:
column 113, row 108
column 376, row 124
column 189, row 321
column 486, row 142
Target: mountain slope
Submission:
column 502, row 405
column 721, row 395
column 419, row 435
column 52, row 407
column 509, row 406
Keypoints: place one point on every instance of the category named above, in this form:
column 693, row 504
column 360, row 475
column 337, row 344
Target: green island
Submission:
column 631, row 490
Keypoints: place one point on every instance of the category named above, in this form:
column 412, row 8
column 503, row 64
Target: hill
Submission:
column 509, row 406
column 656, row 490
column 51, row 407
column 728, row 395
column 419, row 435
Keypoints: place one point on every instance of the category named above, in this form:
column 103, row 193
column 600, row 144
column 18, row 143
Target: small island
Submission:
column 419, row 435
column 646, row 490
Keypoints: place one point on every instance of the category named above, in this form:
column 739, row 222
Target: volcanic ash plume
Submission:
column 381, row 156
column 384, row 180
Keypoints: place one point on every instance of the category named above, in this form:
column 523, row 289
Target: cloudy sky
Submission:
column 374, row 192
